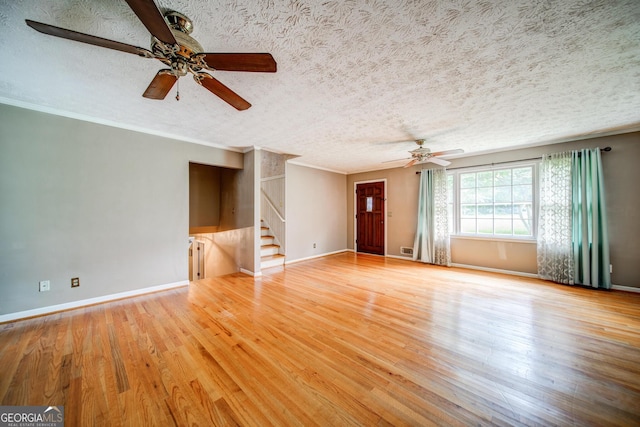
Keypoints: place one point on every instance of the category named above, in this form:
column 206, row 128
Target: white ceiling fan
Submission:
column 423, row 154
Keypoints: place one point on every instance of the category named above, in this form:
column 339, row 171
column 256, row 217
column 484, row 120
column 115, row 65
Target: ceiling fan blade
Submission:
column 152, row 18
column 160, row 85
column 447, row 152
column 217, row 88
column 391, row 142
column 86, row 38
column 437, row 161
column 411, row 163
column 396, row 160
column 256, row 62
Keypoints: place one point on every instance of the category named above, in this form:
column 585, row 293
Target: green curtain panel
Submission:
column 590, row 238
column 573, row 242
column 431, row 244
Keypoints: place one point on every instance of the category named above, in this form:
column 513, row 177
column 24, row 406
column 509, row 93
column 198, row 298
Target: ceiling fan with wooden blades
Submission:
column 172, row 45
column 423, row 154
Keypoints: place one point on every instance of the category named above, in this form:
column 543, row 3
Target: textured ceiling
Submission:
column 471, row 74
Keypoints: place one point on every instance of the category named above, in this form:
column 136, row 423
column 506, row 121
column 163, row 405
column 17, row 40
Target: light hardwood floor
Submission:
column 342, row 340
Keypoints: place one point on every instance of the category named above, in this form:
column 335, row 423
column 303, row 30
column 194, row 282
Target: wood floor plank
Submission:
column 347, row 339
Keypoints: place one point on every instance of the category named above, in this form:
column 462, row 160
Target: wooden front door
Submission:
column 370, row 217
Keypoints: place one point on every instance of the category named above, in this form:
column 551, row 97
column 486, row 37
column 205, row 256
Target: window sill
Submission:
column 495, row 238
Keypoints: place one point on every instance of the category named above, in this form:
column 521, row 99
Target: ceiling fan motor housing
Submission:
column 421, row 152
column 180, row 57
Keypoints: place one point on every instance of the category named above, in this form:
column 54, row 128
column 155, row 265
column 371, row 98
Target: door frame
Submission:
column 355, row 212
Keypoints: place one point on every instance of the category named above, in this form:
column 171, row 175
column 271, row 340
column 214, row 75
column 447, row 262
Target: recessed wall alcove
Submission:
column 219, row 217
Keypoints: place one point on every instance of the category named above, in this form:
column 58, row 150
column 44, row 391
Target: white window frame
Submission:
column 499, row 166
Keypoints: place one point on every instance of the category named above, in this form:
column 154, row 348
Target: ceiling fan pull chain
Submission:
column 178, row 90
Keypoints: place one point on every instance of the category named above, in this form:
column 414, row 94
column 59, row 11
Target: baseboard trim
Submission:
column 404, row 257
column 20, row 315
column 625, row 288
column 250, row 273
column 496, row 270
column 293, row 261
column 535, row 276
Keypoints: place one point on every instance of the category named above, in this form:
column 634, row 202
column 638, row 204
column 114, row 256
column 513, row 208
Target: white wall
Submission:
column 77, row 199
column 315, row 212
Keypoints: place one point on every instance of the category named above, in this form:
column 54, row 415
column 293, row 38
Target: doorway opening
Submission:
column 218, row 228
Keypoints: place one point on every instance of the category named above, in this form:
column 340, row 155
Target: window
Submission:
column 369, row 204
column 497, row 202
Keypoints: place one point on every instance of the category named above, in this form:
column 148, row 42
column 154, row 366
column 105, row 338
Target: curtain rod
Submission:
column 605, row 149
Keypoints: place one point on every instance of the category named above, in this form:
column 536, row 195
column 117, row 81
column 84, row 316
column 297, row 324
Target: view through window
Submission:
column 495, row 202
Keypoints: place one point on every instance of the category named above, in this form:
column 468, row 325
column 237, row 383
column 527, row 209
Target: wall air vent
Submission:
column 406, row 251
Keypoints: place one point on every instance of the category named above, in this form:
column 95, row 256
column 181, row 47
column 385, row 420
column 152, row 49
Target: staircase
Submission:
column 269, row 250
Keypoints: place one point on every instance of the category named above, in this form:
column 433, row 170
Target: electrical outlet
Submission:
column 314, row 246
column 45, row 286
column 75, row 282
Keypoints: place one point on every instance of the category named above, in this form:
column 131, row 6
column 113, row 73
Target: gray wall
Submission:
column 622, row 176
column 236, row 196
column 204, row 195
column 402, row 206
column 249, row 205
column 77, row 199
column 272, row 164
column 316, row 203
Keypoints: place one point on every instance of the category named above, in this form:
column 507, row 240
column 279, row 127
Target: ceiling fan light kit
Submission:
column 172, row 45
column 423, row 154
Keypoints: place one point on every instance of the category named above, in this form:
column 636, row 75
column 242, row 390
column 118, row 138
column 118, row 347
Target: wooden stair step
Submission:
column 271, row 261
